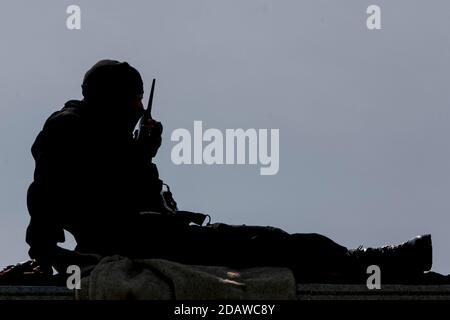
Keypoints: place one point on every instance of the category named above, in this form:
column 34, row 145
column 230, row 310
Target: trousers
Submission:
column 309, row 255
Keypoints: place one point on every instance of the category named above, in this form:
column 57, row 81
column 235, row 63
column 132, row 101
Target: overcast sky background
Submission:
column 363, row 115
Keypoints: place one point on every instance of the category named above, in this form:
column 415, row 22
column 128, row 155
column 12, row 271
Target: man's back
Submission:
column 90, row 179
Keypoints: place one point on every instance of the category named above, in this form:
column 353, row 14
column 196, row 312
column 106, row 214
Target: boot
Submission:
column 408, row 258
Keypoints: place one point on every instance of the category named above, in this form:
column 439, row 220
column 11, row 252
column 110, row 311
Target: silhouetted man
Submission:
column 93, row 179
column 91, row 176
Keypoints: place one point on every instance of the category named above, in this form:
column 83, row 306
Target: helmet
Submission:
column 111, row 80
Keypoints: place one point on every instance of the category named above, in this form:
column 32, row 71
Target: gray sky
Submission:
column 363, row 115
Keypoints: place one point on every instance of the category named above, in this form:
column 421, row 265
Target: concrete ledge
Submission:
column 35, row 293
column 304, row 292
column 361, row 292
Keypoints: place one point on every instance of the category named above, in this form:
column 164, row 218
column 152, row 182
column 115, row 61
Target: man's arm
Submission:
column 53, row 151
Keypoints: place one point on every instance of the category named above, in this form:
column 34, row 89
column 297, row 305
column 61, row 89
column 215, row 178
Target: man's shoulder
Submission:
column 67, row 118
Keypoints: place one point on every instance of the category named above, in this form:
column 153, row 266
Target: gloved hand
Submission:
column 41, row 268
column 149, row 139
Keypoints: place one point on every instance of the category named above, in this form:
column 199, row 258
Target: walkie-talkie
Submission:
column 143, row 130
